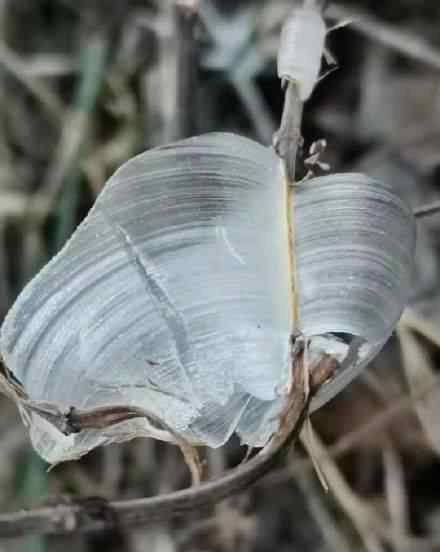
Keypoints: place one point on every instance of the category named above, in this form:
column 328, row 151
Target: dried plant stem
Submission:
column 372, row 528
column 285, row 142
column 331, row 532
column 64, row 173
column 13, row 63
column 186, row 16
column 360, row 515
column 355, row 437
column 159, row 86
column 400, row 40
column 287, row 139
column 396, row 494
column 255, row 104
column 89, row 515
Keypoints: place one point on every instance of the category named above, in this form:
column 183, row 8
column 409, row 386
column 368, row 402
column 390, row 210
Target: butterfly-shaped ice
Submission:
column 175, row 293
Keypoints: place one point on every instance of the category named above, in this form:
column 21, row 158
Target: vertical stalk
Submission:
column 93, row 64
column 286, row 142
column 185, row 17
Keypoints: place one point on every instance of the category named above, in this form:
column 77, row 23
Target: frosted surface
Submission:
column 354, row 253
column 172, row 295
column 301, row 48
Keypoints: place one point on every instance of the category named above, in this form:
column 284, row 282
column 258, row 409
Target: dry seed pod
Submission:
column 301, row 48
column 174, row 295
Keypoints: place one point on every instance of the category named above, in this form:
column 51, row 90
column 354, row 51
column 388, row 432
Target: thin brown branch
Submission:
column 83, row 515
column 288, row 138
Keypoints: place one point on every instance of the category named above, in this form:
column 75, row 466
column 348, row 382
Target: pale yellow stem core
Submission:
column 290, row 233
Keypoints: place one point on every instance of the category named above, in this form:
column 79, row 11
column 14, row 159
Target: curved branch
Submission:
column 92, row 514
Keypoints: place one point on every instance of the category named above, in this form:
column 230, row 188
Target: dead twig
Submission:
column 76, row 517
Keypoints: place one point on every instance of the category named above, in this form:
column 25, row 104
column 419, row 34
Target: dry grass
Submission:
column 84, row 85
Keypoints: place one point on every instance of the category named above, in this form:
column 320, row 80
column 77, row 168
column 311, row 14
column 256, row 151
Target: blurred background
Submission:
column 87, row 84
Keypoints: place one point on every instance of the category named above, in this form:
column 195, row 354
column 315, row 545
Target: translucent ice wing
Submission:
column 171, row 295
column 355, row 241
column 206, row 229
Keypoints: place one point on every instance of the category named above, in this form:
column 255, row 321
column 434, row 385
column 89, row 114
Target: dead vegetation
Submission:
column 87, row 84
